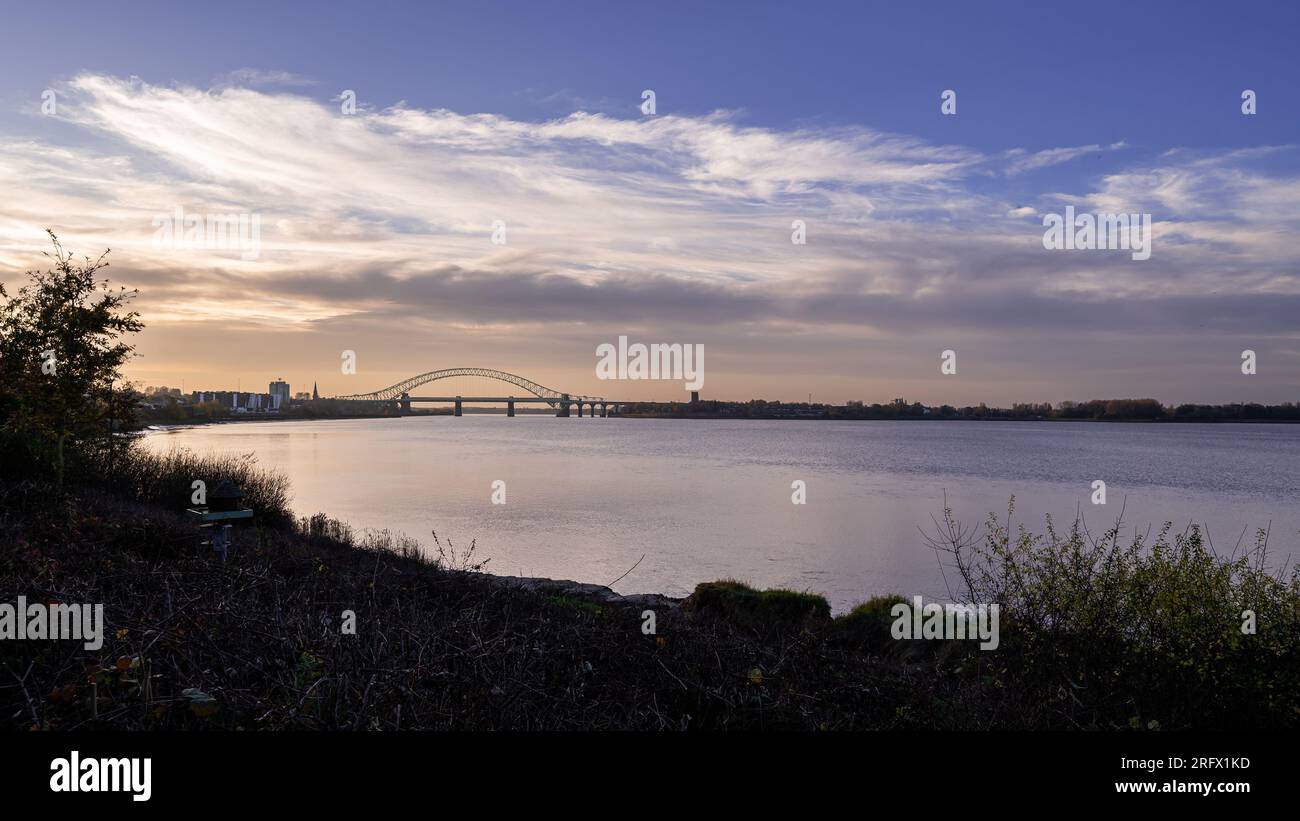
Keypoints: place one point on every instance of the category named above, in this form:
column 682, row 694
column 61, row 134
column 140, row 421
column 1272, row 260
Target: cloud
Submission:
column 1022, row 162
column 671, row 222
column 254, row 77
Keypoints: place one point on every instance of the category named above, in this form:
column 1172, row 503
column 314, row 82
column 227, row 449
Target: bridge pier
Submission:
column 579, row 410
column 458, row 408
column 604, row 411
column 405, row 403
column 564, row 405
column 510, row 406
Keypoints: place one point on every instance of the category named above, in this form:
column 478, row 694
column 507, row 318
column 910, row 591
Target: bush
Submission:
column 1143, row 633
column 166, row 479
column 61, row 352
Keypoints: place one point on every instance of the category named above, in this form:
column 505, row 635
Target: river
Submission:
column 700, row 500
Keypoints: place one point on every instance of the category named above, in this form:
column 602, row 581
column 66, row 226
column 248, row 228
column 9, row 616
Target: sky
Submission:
column 523, row 123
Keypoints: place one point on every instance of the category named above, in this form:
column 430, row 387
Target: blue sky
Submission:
column 766, row 112
column 1039, row 74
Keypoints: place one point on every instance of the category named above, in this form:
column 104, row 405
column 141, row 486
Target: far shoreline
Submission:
column 198, row 423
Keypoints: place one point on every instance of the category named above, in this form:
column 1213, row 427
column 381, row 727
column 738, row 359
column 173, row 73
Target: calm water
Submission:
column 706, row 499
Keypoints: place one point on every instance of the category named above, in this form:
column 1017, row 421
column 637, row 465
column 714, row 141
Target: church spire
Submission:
column 314, row 393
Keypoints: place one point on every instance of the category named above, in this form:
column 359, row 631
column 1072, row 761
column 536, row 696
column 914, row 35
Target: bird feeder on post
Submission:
column 215, row 518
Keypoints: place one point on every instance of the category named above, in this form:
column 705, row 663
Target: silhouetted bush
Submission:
column 62, row 348
column 167, row 479
column 1148, row 632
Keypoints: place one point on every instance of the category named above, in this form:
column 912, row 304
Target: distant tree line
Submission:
column 167, row 409
column 1098, row 410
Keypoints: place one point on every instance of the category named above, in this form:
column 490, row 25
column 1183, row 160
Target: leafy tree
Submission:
column 62, row 393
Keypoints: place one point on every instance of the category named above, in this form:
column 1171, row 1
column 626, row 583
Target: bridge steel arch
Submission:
column 395, row 392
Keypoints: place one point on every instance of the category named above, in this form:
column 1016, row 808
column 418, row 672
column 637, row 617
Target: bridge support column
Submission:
column 405, row 403
column 510, row 406
column 604, row 410
column 579, row 410
column 458, row 410
column 564, row 405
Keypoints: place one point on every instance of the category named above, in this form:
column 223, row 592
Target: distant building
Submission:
column 280, row 388
column 238, row 401
column 315, row 395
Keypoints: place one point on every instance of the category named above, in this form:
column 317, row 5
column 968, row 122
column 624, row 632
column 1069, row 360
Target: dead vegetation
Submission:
column 260, row 641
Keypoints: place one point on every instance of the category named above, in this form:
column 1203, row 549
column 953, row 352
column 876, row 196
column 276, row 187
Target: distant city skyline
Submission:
column 485, row 185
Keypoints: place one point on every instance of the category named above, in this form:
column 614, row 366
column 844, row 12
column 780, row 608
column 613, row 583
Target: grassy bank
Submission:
column 1095, row 633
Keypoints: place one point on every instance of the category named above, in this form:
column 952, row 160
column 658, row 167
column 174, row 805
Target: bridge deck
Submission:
column 497, row 399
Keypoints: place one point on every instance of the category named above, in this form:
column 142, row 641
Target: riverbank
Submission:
column 147, row 423
column 971, row 419
column 307, row 625
column 263, row 641
column 819, row 416
column 1097, row 410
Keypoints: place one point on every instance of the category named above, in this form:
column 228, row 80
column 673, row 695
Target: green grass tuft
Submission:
column 762, row 610
column 869, row 623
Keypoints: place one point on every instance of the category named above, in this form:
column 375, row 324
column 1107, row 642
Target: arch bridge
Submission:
column 561, row 401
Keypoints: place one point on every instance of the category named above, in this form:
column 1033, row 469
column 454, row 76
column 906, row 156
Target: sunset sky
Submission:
column 924, row 231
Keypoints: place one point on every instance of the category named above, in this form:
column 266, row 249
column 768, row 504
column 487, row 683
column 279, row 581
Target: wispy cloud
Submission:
column 255, row 77
column 1021, row 161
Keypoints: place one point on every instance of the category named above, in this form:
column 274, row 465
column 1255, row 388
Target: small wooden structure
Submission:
column 215, row 518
